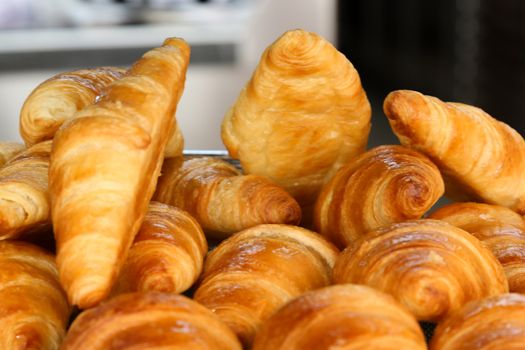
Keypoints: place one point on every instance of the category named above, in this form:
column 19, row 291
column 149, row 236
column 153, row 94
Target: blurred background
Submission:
column 470, row 51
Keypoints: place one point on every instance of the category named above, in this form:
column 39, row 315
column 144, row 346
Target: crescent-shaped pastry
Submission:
column 385, row 185
column 302, row 115
column 500, row 229
column 8, row 150
column 341, row 317
column 33, row 307
column 430, row 266
column 167, row 254
column 149, row 321
column 481, row 158
column 491, row 324
column 24, row 195
column 221, row 199
column 104, row 168
column 59, row 98
column 254, row 272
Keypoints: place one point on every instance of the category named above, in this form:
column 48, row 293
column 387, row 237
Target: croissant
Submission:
column 480, row 158
column 489, row 324
column 499, row 228
column 254, row 272
column 149, row 321
column 59, row 98
column 33, row 307
column 343, row 317
column 385, row 185
column 167, row 253
column 430, row 266
column 301, row 117
column 104, row 167
column 8, row 150
column 221, row 199
column 24, row 199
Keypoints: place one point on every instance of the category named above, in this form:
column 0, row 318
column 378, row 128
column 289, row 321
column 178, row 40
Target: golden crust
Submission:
column 385, row 185
column 8, row 150
column 343, row 317
column 480, row 158
column 149, row 321
column 256, row 271
column 430, row 266
column 104, row 168
column 302, row 115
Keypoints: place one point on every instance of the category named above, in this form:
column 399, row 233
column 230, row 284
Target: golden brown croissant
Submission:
column 430, row 266
column 341, row 317
column 33, row 307
column 24, row 197
column 104, row 168
column 385, row 185
column 167, row 253
column 221, row 199
column 254, row 272
column 301, row 117
column 149, row 321
column 491, row 324
column 499, row 228
column 59, row 98
column 8, row 150
column 480, row 158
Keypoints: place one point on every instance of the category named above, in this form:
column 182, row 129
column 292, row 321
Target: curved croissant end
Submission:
column 167, row 254
column 33, row 307
column 481, row 159
column 343, row 317
column 254, row 272
column 308, row 110
column 149, row 321
column 8, row 150
column 221, row 199
column 385, row 185
column 489, row 324
column 500, row 229
column 430, row 266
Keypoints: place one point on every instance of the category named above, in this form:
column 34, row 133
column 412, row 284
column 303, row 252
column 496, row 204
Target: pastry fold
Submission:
column 341, row 317
column 254, row 272
column 500, row 229
column 430, row 266
column 167, row 254
column 104, row 168
column 33, row 307
column 385, row 185
column 489, row 324
column 24, row 195
column 8, row 150
column 149, row 321
column 221, row 199
column 302, row 115
column 481, row 158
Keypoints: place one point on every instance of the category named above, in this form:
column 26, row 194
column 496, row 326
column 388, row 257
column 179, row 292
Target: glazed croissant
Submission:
column 8, row 150
column 221, row 199
column 254, row 272
column 489, row 324
column 499, row 228
column 343, row 317
column 33, row 307
column 167, row 254
column 104, row 168
column 149, row 321
column 480, row 158
column 430, row 266
column 301, row 117
column 24, row 197
column 59, row 98
column 385, row 185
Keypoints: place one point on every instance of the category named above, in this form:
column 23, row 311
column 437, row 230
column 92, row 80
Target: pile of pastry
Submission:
column 321, row 243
